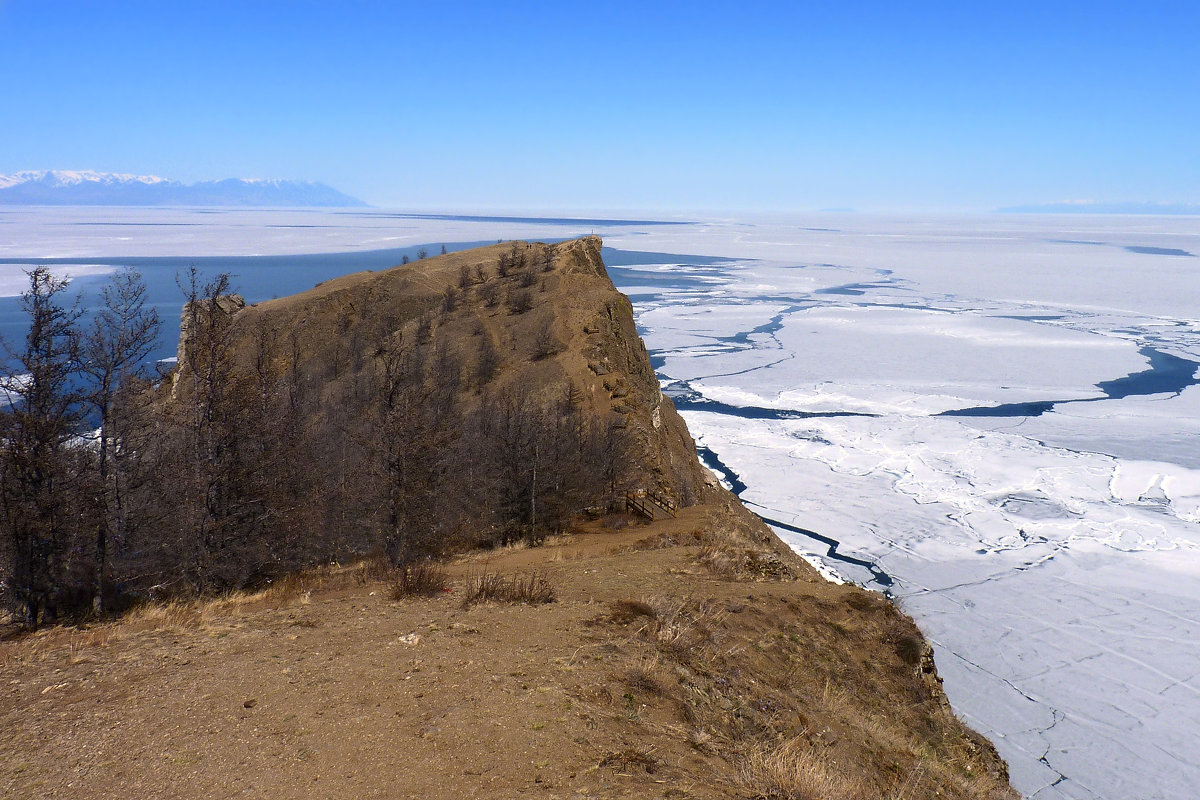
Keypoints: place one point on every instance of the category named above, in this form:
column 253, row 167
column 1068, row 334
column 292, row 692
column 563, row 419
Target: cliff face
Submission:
column 555, row 322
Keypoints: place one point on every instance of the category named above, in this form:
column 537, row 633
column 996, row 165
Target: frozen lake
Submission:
column 994, row 417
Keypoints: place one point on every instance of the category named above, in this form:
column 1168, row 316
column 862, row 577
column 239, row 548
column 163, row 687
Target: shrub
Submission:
column 624, row 612
column 490, row 293
column 520, row 301
column 532, row 589
column 546, row 343
column 420, row 579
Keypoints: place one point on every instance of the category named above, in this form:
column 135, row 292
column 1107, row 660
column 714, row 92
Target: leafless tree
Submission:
column 37, row 467
column 520, row 301
column 121, row 336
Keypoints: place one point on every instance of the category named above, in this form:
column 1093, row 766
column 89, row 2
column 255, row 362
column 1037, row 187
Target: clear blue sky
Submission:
column 646, row 105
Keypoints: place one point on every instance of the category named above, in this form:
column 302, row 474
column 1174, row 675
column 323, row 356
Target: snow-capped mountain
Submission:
column 85, row 187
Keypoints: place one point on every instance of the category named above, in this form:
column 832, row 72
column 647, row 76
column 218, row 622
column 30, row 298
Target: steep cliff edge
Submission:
column 434, row 408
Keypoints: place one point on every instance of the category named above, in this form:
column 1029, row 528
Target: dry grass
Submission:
column 743, row 563
column 624, row 612
column 191, row 613
column 533, row 589
column 631, row 759
column 648, row 677
column 660, row 541
column 682, row 626
column 791, row 770
column 422, row 579
column 751, row 690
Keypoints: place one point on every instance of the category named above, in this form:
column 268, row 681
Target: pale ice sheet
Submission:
column 14, row 278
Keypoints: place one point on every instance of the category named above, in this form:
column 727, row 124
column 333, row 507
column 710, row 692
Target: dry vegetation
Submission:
column 490, row 400
column 490, row 587
column 404, row 412
column 420, row 579
column 649, row 676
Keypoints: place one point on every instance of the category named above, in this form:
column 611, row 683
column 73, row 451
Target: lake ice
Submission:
column 1053, row 560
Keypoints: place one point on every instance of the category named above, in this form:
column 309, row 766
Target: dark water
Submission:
column 691, row 401
column 1031, row 409
column 259, row 278
column 737, row 486
column 768, row 328
column 256, row 278
column 627, row 258
column 851, row 289
column 1167, row 374
column 1132, row 248
column 574, row 221
column 1159, row 251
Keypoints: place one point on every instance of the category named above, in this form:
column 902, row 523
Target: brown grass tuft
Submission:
column 647, row 677
column 683, row 627
column 624, row 612
column 421, row 579
column 790, row 770
column 734, row 563
column 532, row 589
column 631, row 759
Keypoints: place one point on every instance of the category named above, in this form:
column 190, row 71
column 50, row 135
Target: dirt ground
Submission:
column 344, row 692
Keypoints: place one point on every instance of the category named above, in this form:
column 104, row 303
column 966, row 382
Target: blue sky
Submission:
column 657, row 106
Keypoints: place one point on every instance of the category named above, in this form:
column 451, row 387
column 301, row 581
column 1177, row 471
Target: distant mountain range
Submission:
column 87, row 188
column 1106, row 208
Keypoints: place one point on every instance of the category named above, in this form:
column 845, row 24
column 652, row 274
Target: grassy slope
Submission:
column 650, row 676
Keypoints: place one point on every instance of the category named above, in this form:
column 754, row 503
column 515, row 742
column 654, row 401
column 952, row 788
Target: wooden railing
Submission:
column 650, row 503
column 635, row 504
column 664, row 502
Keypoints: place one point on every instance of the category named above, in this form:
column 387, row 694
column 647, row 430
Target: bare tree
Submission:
column 546, row 342
column 121, row 336
column 414, row 430
column 224, row 511
column 43, row 415
column 489, row 360
column 520, row 301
